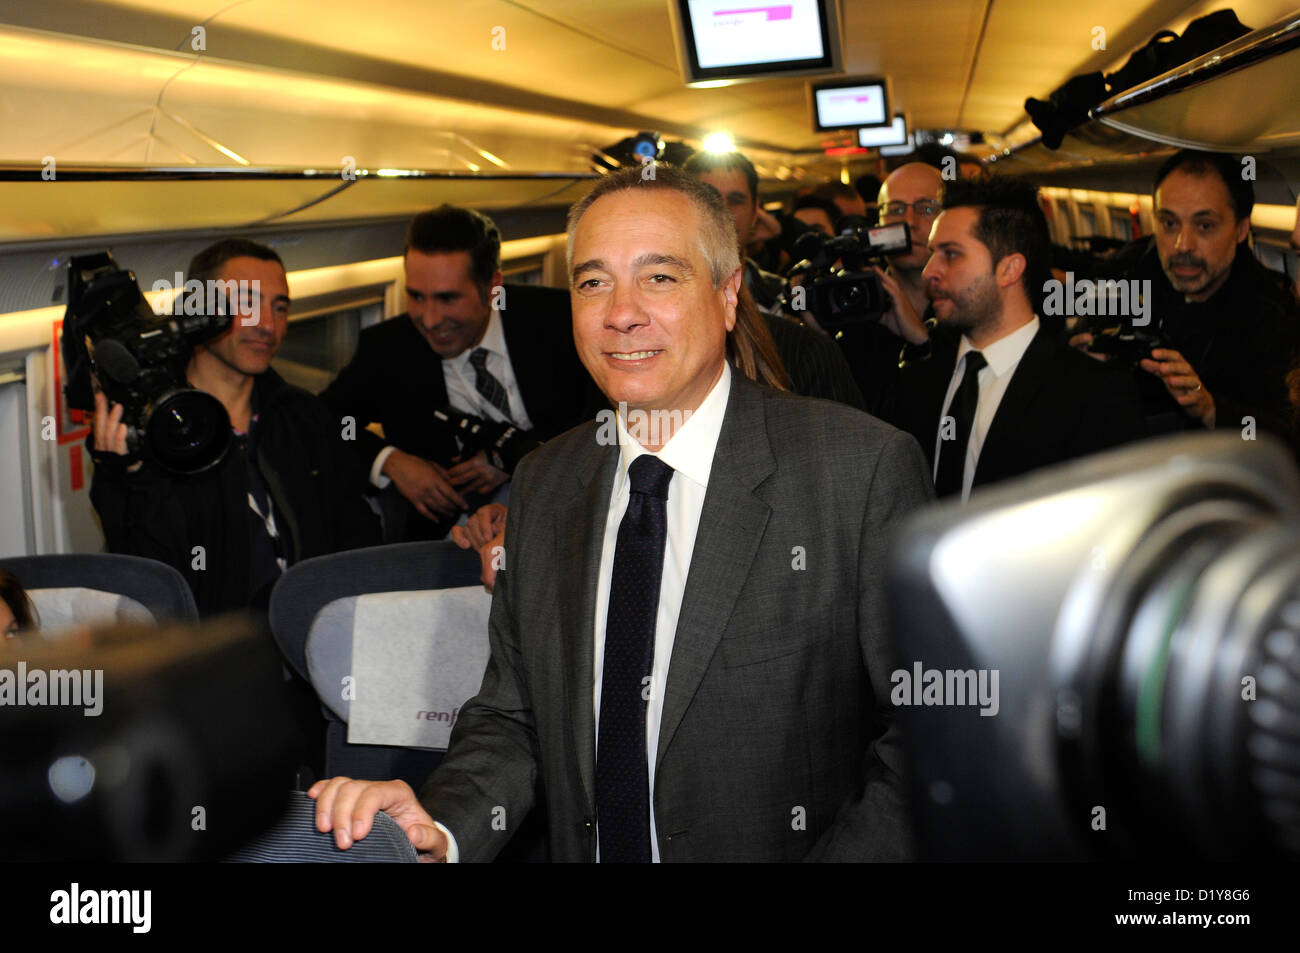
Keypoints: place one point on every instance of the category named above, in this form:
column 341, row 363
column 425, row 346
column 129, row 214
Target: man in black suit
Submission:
column 467, row 345
column 1002, row 396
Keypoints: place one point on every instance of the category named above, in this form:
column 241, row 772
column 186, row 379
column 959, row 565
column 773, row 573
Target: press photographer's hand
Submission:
column 1182, row 382
column 425, row 484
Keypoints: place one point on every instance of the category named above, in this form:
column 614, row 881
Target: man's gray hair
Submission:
column 716, row 240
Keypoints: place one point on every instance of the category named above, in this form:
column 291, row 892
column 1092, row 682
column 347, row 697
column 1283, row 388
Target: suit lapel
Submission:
column 1018, row 402
column 578, row 552
column 937, row 375
column 424, row 369
column 732, row 524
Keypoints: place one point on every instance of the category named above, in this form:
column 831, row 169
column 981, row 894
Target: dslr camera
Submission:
column 1101, row 661
column 504, row 443
column 838, row 285
column 114, row 342
column 1124, row 344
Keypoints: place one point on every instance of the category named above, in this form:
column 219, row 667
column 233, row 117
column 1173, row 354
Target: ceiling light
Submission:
column 719, row 142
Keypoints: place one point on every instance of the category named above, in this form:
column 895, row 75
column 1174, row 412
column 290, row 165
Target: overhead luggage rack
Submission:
column 1237, row 98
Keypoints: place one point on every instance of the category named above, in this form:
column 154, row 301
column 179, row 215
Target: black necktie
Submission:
column 622, row 775
column 952, row 453
column 487, row 385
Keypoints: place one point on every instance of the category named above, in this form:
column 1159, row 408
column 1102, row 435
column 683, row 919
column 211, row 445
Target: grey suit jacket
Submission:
column 776, row 742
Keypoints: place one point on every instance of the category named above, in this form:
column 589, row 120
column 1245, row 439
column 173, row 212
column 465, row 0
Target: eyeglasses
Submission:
column 924, row 208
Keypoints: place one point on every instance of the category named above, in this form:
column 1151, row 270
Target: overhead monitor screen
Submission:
column 850, row 105
column 907, row 149
column 736, row 39
column 872, row 137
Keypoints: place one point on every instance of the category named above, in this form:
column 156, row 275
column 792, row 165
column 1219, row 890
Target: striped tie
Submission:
column 487, row 385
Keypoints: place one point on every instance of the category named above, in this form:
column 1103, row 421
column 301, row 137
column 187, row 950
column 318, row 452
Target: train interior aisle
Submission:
column 332, row 132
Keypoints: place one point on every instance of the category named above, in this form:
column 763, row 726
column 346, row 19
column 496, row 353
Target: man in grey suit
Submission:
column 688, row 645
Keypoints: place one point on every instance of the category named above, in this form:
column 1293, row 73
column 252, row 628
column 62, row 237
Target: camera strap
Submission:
column 269, row 519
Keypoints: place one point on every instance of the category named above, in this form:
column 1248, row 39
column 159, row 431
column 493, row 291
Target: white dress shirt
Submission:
column 1003, row 357
column 690, row 454
column 459, row 376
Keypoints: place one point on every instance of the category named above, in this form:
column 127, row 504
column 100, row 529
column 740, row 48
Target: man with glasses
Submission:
column 910, row 194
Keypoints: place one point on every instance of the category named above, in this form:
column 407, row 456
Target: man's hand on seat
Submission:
column 485, row 532
column 476, row 475
column 348, row 807
column 425, row 484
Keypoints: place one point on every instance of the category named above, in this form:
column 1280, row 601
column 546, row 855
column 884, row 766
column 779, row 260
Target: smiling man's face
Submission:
column 262, row 315
column 649, row 326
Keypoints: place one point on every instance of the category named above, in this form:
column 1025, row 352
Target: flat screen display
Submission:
column 871, row 137
column 726, row 39
column 850, row 104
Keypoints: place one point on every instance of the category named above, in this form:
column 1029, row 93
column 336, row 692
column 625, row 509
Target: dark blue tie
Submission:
column 951, row 474
column 622, row 775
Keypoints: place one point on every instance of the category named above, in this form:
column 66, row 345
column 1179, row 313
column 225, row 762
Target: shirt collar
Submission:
column 691, row 449
column 494, row 340
column 1005, row 353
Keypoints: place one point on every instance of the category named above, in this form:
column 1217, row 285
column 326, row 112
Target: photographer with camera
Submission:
column 1007, row 398
column 471, row 378
column 283, row 490
column 1223, row 333
column 910, row 194
column 815, row 365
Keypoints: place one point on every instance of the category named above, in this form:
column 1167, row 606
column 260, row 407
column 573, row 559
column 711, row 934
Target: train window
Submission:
column 317, row 347
column 1087, row 221
column 525, row 276
column 1121, row 225
column 16, row 530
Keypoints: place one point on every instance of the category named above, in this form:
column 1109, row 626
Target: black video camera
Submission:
column 838, row 286
column 1101, row 660
column 114, row 342
column 504, row 443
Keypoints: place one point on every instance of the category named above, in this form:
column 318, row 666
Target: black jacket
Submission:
column 1241, row 342
column 1059, row 405
column 395, row 380
column 314, row 483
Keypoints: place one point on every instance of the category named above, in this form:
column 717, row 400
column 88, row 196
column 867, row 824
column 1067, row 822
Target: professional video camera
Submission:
column 113, row 339
column 838, row 286
column 504, row 443
column 1136, row 616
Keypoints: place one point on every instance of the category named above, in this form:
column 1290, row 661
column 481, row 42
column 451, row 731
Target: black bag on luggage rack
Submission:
column 1068, row 106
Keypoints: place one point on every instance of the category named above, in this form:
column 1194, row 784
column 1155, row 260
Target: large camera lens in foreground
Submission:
column 1141, row 610
column 187, row 432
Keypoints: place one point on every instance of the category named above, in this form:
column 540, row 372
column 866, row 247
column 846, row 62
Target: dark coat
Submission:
column 315, row 487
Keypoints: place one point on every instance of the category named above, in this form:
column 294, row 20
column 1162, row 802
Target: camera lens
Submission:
column 1141, row 610
column 1190, row 689
column 848, row 297
column 187, row 431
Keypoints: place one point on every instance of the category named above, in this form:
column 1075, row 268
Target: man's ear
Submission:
column 731, row 295
column 1009, row 270
column 1243, row 229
